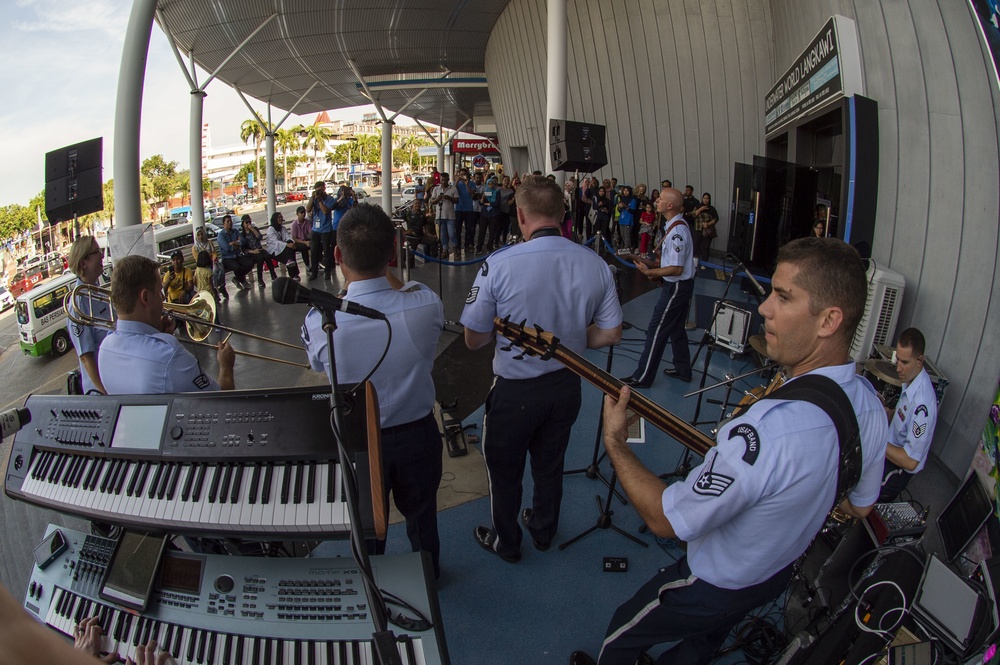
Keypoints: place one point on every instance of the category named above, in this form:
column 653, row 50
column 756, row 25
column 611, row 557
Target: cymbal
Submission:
column 759, row 344
column 884, row 351
column 884, row 370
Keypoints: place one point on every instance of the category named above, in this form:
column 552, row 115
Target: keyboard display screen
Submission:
column 140, row 427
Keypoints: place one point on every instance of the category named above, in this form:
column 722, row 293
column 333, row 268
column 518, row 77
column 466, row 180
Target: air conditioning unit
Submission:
column 878, row 324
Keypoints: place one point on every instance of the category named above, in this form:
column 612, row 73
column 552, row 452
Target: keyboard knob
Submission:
column 224, row 584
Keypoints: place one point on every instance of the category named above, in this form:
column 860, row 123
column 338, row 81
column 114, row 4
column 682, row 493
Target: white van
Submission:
column 41, row 320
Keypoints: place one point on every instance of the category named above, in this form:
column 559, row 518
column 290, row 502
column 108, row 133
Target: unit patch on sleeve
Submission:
column 710, row 483
column 750, row 438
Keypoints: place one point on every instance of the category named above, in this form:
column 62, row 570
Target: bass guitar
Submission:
column 536, row 342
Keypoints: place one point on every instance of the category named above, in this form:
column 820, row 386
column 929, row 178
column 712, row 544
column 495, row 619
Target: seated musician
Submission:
column 911, row 425
column 142, row 357
column 773, row 471
column 411, row 443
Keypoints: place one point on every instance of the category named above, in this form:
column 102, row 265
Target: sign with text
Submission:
column 474, row 146
column 829, row 68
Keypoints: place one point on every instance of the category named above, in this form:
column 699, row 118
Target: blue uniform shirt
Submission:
column 466, row 190
column 87, row 339
column 548, row 281
column 137, row 359
column 323, row 221
column 677, row 249
column 761, row 495
column 913, row 422
column 341, row 210
column 403, row 381
column 226, row 249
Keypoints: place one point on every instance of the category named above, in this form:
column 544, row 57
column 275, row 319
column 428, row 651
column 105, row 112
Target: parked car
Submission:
column 297, row 195
column 25, row 279
column 6, row 299
column 409, row 192
column 280, row 197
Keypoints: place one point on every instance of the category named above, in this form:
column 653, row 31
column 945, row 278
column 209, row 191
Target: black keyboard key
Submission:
column 141, row 485
column 161, row 491
column 227, row 476
column 210, row 657
column 265, row 493
column 213, row 487
column 174, row 479
column 254, row 484
column 186, row 492
column 234, row 496
column 311, row 484
column 286, row 477
column 120, row 481
column 331, row 482
column 151, row 492
column 134, row 478
column 279, row 653
column 299, row 472
column 192, row 644
column 196, row 492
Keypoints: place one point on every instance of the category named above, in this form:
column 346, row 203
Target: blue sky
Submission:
column 59, row 79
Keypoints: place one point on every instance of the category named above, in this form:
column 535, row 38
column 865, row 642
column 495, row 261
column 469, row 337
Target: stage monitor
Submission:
column 964, row 516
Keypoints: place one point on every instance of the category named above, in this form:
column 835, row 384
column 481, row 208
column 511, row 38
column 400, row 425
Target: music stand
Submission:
column 593, row 470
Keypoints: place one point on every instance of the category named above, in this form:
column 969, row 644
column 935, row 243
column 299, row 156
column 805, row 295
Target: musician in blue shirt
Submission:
column 142, row 356
column 568, row 290
column 411, row 444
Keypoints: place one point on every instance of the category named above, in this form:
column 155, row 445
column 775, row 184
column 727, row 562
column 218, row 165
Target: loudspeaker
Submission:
column 575, row 132
column 73, row 159
column 73, row 180
column 572, row 156
column 81, row 194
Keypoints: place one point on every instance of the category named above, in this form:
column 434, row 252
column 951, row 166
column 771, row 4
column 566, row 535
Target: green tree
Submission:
column 286, row 140
column 15, row 219
column 253, row 130
column 316, row 138
column 162, row 176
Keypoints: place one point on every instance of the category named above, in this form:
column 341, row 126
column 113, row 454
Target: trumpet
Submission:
column 199, row 315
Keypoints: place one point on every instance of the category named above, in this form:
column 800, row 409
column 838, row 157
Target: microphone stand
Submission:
column 383, row 639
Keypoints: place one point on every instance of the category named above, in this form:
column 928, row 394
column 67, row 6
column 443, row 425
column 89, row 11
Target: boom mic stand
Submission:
column 383, row 639
column 604, row 515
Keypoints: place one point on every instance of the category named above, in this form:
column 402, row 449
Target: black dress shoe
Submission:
column 486, row 539
column 312, row 276
column 672, row 373
column 635, row 383
column 525, row 518
column 580, row 658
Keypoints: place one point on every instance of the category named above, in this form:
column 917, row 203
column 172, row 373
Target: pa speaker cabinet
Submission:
column 575, row 132
column 73, row 159
column 570, row 156
column 732, row 326
column 81, row 194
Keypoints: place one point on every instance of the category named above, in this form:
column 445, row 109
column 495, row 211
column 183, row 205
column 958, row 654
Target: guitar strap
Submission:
column 825, row 393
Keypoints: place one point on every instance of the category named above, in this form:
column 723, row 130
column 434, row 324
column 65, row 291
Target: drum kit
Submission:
column 881, row 372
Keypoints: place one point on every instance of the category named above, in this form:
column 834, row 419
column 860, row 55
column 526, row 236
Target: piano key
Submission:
column 311, row 483
column 213, row 486
column 199, row 482
column 120, row 480
column 140, row 486
column 181, row 469
column 279, row 652
column 210, row 651
column 299, row 472
column 265, row 494
column 168, row 471
column 286, row 477
column 227, row 476
column 237, row 481
column 254, row 483
column 157, row 472
column 186, row 492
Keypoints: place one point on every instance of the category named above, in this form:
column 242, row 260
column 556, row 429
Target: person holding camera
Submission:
column 320, row 208
column 443, row 200
column 178, row 282
column 346, row 199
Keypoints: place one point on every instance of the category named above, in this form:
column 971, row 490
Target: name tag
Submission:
column 318, row 224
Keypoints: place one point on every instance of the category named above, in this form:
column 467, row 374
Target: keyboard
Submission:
column 214, row 609
column 250, row 464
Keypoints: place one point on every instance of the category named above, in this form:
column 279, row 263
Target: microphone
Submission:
column 12, row 421
column 286, row 291
column 753, row 280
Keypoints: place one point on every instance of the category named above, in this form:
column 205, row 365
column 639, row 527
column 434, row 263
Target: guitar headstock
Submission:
column 534, row 340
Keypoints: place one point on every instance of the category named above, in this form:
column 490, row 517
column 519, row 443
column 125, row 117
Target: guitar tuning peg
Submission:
column 520, row 356
column 507, row 347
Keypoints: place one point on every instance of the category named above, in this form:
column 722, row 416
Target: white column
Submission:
column 387, row 167
column 128, row 109
column 197, row 193
column 440, row 146
column 269, row 179
column 555, row 75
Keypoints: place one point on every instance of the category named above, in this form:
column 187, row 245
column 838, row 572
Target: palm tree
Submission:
column 316, row 138
column 286, row 139
column 253, row 129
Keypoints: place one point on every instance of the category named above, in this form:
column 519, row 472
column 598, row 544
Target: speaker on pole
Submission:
column 73, row 183
column 577, row 146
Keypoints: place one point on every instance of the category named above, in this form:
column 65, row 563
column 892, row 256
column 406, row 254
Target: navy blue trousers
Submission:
column 674, row 606
column 667, row 324
column 528, row 416
column 411, row 462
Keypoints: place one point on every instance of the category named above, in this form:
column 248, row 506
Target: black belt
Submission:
column 405, row 427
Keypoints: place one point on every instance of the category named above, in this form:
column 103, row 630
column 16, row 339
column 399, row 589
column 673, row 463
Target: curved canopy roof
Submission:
column 320, row 48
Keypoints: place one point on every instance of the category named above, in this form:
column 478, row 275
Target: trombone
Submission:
column 199, row 315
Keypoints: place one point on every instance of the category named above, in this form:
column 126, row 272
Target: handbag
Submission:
column 709, row 232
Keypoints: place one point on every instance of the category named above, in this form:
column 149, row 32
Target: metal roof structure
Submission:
column 326, row 51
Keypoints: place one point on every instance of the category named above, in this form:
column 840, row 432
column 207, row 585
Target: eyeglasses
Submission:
column 96, row 252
